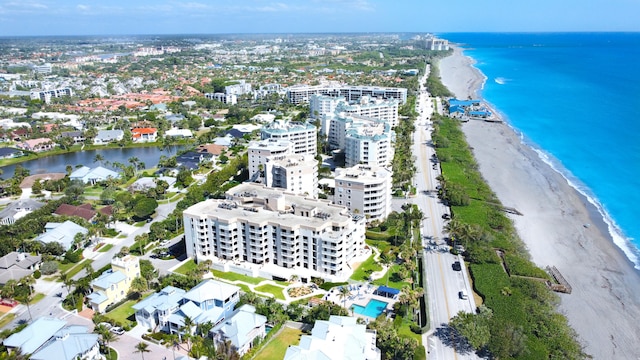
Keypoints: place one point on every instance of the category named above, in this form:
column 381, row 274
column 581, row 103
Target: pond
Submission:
column 58, row 163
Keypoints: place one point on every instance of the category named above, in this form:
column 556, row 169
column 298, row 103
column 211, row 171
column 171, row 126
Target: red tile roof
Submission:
column 81, row 211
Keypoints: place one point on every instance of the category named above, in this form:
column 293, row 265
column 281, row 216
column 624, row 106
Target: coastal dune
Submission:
column 559, row 227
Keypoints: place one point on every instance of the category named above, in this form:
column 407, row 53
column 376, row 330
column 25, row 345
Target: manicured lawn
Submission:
column 186, row 267
column 365, row 269
column 275, row 290
column 37, row 297
column 7, row 318
column 65, row 267
column 277, row 347
column 394, row 284
column 123, row 312
column 231, row 276
column 76, row 269
column 113, row 356
column 106, row 248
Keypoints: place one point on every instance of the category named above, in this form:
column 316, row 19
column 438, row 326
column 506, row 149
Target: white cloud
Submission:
column 83, row 7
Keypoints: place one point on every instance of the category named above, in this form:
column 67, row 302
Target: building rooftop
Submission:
column 260, row 204
column 211, row 289
column 34, row 335
column 239, row 325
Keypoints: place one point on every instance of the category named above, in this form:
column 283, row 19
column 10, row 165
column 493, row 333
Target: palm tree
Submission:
column 344, row 293
column 187, row 330
column 68, row 282
column 9, row 289
column 106, row 335
column 98, row 158
column 386, row 261
column 142, row 348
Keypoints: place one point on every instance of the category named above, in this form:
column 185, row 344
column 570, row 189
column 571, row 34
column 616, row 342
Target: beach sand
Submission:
column 604, row 307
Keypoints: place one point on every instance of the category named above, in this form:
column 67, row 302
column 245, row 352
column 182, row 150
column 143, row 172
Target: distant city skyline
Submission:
column 118, row 17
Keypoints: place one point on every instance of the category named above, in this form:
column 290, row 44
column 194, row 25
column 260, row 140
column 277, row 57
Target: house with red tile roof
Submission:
column 144, row 134
column 84, row 211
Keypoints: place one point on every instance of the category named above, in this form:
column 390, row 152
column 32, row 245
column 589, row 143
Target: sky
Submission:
column 133, row 17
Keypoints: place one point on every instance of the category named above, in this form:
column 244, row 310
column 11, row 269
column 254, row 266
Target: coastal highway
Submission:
column 444, row 284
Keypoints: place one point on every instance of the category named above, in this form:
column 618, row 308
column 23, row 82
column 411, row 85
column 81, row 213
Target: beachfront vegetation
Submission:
column 520, row 319
column 434, row 85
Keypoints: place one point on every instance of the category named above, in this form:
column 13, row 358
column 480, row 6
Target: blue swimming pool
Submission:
column 373, row 308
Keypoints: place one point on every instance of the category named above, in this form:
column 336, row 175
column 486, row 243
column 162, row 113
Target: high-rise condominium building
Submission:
column 303, row 136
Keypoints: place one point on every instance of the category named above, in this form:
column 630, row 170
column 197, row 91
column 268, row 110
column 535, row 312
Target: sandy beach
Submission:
column 604, row 306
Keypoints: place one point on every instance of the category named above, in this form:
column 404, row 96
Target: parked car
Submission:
column 117, row 330
column 107, row 325
column 456, row 266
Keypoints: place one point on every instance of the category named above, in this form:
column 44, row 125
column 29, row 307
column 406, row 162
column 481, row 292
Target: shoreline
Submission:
column 605, row 281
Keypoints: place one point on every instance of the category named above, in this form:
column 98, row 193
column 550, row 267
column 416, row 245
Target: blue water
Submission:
column 575, row 97
column 373, row 309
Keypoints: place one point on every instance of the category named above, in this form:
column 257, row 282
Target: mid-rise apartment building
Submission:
column 321, row 107
column 229, row 99
column 259, row 151
column 298, row 174
column 303, row 136
column 299, row 94
column 363, row 140
column 46, row 95
column 364, row 190
column 280, row 234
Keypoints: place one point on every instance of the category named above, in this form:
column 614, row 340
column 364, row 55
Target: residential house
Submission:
column 37, row 145
column 47, row 338
column 92, row 176
column 178, row 133
column 213, row 149
column 241, row 328
column 108, row 136
column 146, row 183
column 15, row 266
column 17, row 209
column 144, row 134
column 63, row 233
column 9, row 153
column 84, row 211
column 113, row 285
column 338, row 338
column 191, row 159
column 210, row 300
column 76, row 136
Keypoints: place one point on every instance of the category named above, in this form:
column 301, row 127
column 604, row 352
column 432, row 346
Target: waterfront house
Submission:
column 8, row 153
column 76, row 136
column 92, row 176
column 48, row 338
column 241, row 328
column 113, row 285
column 210, row 300
column 108, row 136
column 191, row 159
column 63, row 233
column 144, row 134
column 146, row 183
column 341, row 337
column 178, row 133
column 15, row 266
column 37, row 145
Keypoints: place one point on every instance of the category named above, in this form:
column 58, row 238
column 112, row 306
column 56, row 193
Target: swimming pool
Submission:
column 373, row 309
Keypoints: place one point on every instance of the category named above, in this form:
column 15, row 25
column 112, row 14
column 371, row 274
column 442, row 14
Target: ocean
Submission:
column 575, row 98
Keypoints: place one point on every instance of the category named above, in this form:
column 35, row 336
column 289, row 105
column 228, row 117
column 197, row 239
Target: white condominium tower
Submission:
column 364, row 190
column 259, row 151
column 363, row 140
column 303, row 136
column 274, row 233
column 299, row 94
column 321, row 106
column 298, row 174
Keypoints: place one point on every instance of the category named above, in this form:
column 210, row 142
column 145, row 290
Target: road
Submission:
column 443, row 283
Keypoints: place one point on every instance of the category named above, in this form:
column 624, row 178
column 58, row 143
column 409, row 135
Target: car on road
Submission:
column 117, row 330
column 456, row 266
column 463, row 294
column 446, row 216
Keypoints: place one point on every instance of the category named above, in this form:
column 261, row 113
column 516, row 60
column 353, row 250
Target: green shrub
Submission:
column 37, row 274
column 328, row 285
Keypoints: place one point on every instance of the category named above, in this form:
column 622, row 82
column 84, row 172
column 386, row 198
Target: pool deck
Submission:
column 360, row 296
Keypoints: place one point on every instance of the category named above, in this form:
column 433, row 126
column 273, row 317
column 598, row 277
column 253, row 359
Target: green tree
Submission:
column 474, row 327
column 106, row 335
column 343, row 294
column 139, row 285
column 144, row 207
column 142, row 348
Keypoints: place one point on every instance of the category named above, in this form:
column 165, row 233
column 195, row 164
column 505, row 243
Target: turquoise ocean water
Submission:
column 575, row 98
